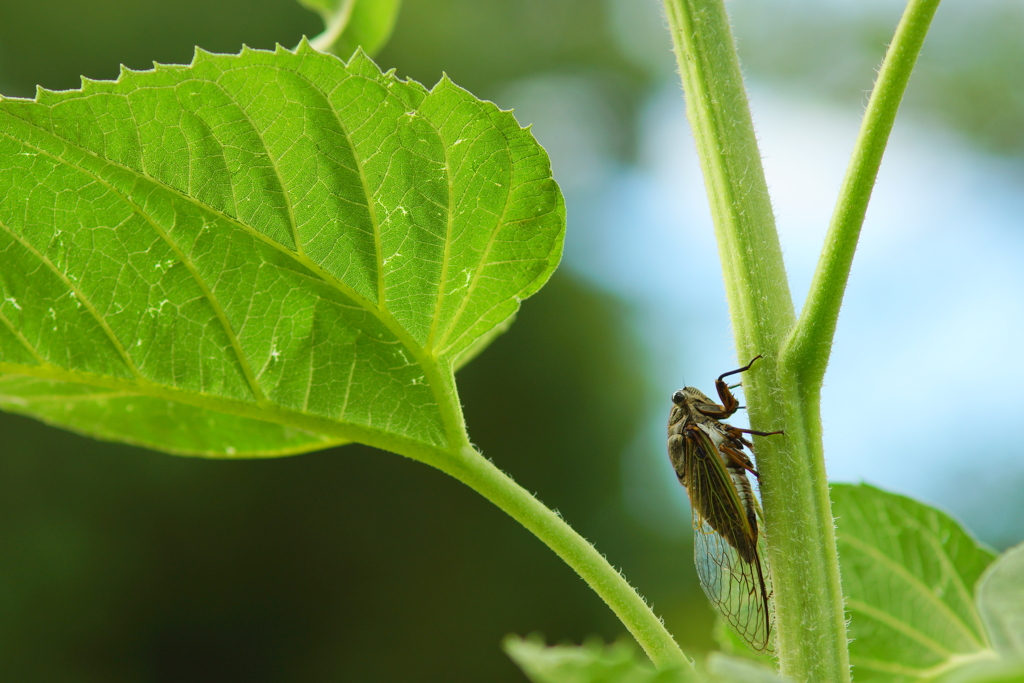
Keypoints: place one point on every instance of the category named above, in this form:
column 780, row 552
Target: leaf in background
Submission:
column 350, row 24
column 908, row 575
column 730, row 643
column 265, row 253
column 1001, row 603
column 1002, row 671
column 592, row 662
column 730, row 669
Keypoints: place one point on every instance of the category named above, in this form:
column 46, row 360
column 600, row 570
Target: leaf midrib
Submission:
column 954, row 661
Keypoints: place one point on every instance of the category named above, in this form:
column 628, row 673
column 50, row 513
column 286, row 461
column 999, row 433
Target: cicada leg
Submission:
column 729, row 403
column 739, row 458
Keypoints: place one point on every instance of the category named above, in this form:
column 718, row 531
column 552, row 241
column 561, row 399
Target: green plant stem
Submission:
column 806, row 352
column 462, row 461
column 334, row 25
column 810, row 628
column 480, row 474
column 748, row 245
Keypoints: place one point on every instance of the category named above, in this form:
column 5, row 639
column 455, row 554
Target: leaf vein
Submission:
column 187, row 262
column 914, row 582
column 898, row 625
column 100, row 319
column 273, row 163
column 21, row 338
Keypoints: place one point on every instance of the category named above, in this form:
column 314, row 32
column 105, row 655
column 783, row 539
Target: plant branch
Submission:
column 480, row 474
column 462, row 461
column 810, row 627
column 748, row 245
column 335, row 23
column 806, row 352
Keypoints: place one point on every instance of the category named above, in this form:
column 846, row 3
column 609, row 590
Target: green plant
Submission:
column 270, row 253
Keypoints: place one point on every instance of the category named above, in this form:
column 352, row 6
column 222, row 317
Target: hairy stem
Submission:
column 806, row 352
column 811, row 638
column 462, row 461
column 481, row 475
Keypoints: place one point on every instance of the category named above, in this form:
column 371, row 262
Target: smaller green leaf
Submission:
column 592, row 662
column 349, row 24
column 908, row 574
column 990, row 671
column 1001, row 603
column 729, row 669
column 731, row 644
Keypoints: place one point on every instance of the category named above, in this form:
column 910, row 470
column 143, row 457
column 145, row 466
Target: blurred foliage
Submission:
column 592, row 662
column 355, row 23
column 970, row 75
column 53, row 42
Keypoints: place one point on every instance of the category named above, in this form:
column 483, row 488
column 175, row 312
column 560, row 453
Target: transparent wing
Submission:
column 729, row 561
column 738, row 589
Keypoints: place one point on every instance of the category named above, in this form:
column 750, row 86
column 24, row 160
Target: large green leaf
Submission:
column 262, row 253
column 908, row 574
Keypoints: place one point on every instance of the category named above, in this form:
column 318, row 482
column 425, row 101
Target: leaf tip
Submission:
column 199, row 55
column 304, row 47
column 280, row 49
column 87, row 84
column 360, row 61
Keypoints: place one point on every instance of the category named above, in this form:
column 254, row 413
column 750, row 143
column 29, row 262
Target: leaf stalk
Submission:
column 480, row 474
column 464, row 462
column 335, row 23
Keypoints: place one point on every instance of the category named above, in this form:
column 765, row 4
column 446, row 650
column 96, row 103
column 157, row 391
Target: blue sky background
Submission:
column 921, row 393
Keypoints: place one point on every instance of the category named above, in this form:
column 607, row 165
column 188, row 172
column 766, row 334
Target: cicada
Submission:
column 710, row 461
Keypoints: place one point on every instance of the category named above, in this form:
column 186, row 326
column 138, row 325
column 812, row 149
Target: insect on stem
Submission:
column 709, row 458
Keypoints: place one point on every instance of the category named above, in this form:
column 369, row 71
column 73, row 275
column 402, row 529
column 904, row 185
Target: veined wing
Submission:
column 725, row 544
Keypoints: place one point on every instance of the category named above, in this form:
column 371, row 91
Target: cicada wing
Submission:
column 739, row 590
column 729, row 562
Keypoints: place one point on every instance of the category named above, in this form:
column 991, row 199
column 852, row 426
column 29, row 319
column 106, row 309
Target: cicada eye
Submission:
column 678, row 397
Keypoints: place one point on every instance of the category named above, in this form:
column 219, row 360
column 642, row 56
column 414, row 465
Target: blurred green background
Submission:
column 119, row 564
